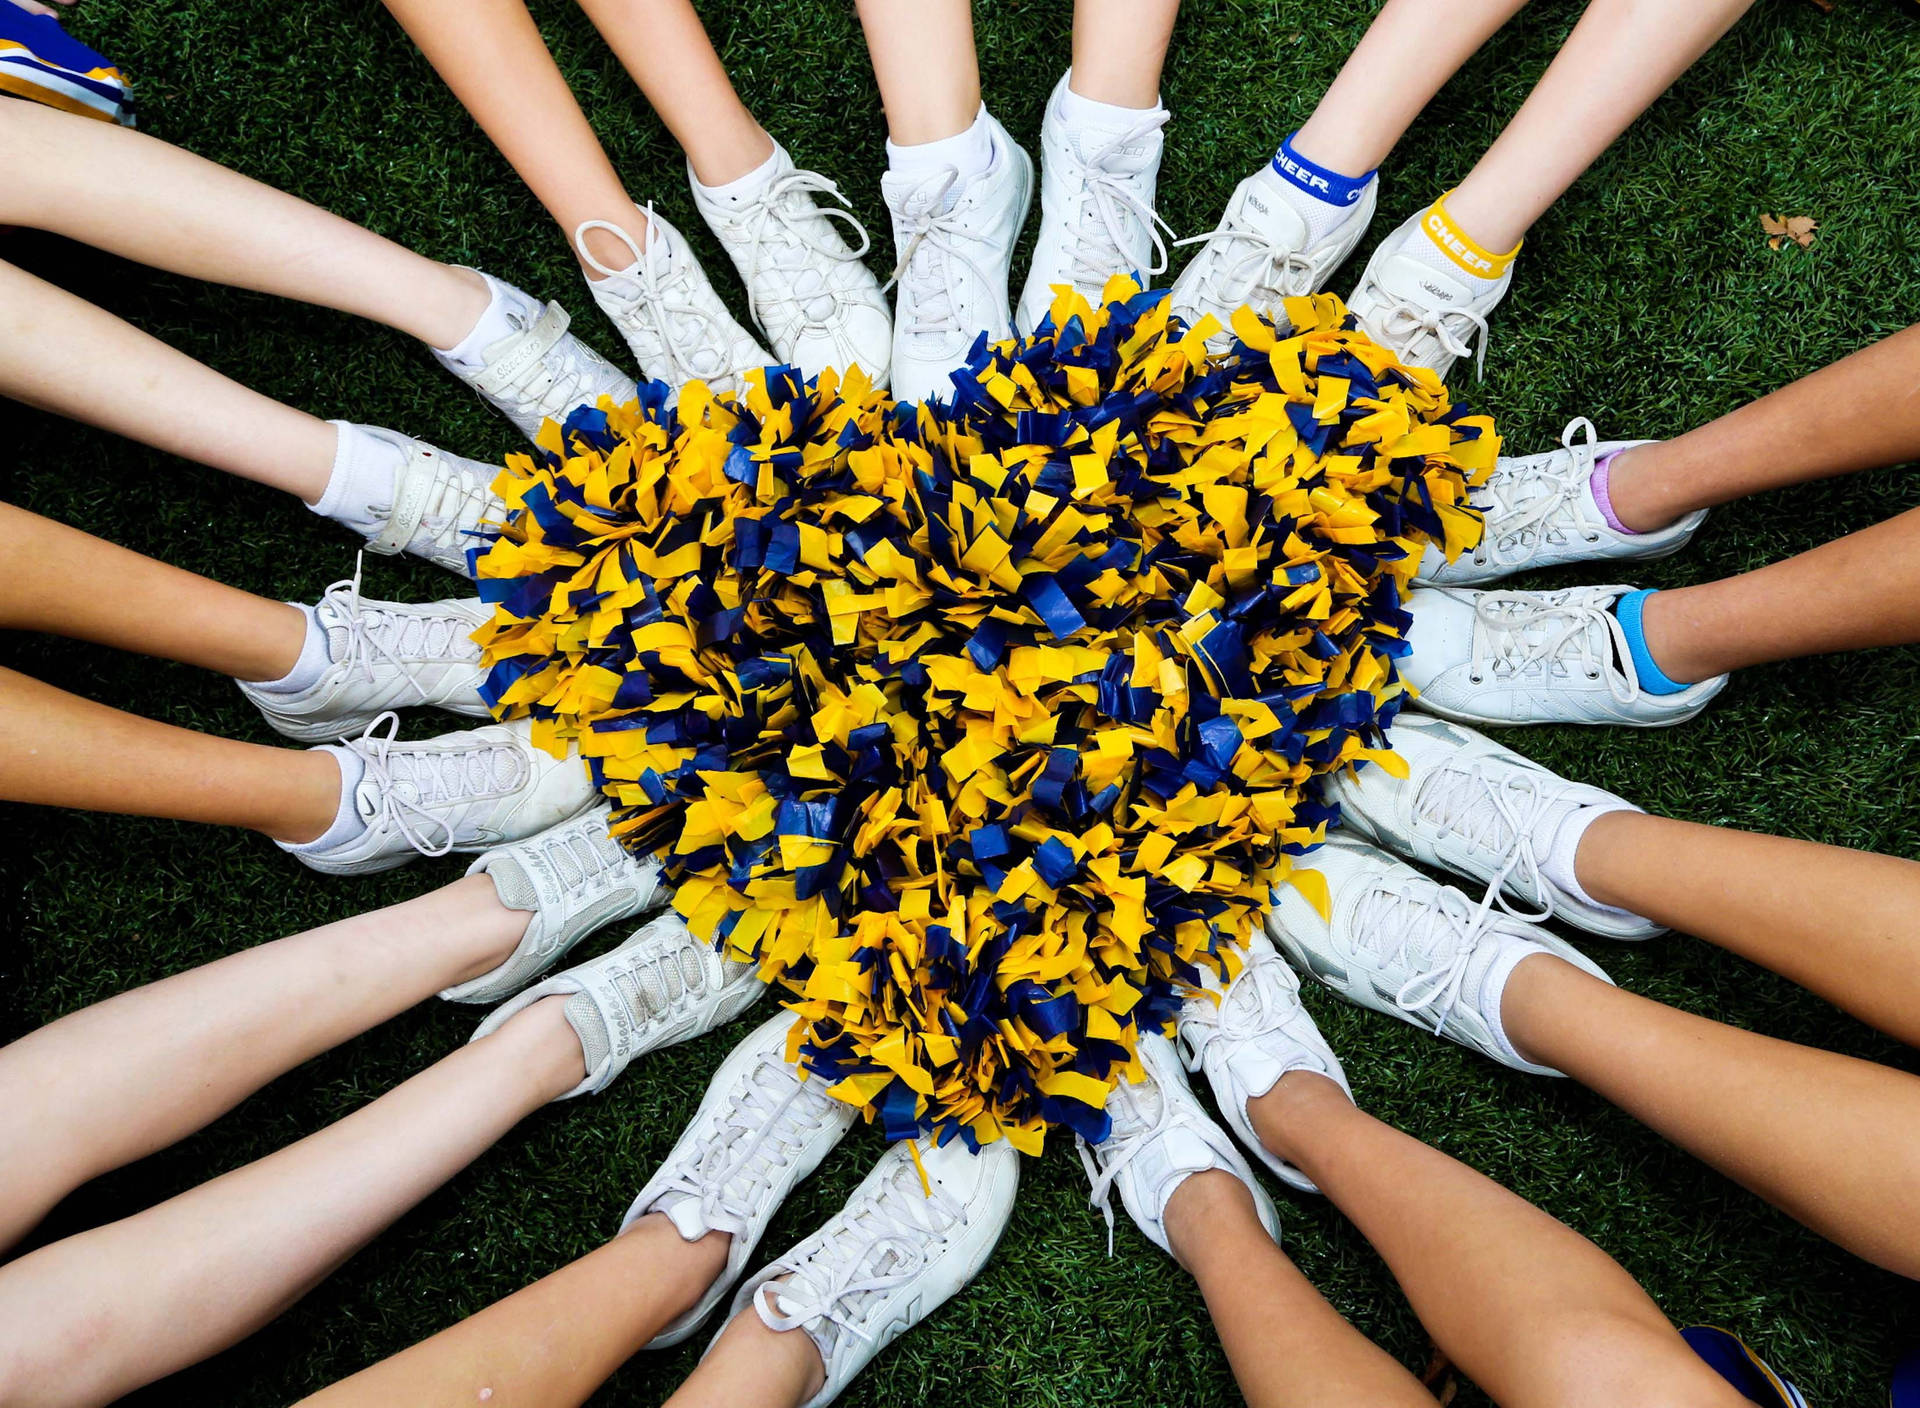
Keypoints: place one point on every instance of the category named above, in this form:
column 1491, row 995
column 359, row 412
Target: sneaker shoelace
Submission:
column 660, row 294
column 869, row 1248
column 764, row 1126
column 1498, row 817
column 416, row 783
column 566, row 375
column 1461, row 332
column 1518, row 634
column 1257, row 1001
column 784, row 229
column 932, row 262
column 1244, row 265
column 585, row 858
column 1100, row 241
column 457, row 503
column 1434, row 935
column 368, row 635
column 655, row 979
column 1549, row 493
column 1140, row 1112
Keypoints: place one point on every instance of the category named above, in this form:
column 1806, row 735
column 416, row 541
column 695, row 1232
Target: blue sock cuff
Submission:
column 1652, row 678
column 1317, row 181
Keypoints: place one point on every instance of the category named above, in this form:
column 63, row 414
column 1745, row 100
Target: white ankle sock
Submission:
column 509, row 310
column 969, row 152
column 315, row 655
column 744, row 188
column 346, row 821
column 364, row 469
column 1557, row 861
column 1077, row 111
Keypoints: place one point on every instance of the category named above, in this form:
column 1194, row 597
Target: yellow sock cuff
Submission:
column 1460, row 247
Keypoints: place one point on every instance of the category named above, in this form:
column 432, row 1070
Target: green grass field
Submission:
column 1647, row 300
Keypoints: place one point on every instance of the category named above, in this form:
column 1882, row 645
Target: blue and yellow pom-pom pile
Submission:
column 983, row 727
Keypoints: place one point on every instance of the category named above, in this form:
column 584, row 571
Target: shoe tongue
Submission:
column 1091, row 144
column 684, row 1212
column 1421, row 284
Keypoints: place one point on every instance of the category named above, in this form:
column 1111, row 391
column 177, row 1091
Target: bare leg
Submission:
column 490, row 53
column 1856, row 592
column 1406, row 57
column 1827, row 1139
column 1620, row 57
column 1119, row 47
column 117, row 1081
column 1863, row 412
column 1287, row 1346
column 59, row 750
column 754, row 1367
column 554, row 1343
column 64, row 355
column 85, row 1320
column 924, row 101
column 1838, row 922
column 139, row 197
column 51, row 572
column 664, row 46
column 1533, row 1312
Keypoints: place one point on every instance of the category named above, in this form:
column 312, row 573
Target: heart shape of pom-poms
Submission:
column 984, row 727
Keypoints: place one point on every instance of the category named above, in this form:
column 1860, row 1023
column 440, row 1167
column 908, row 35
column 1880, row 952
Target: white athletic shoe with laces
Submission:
column 761, row 1128
column 575, row 879
column 384, row 655
column 539, row 371
column 807, row 288
column 1412, row 948
column 441, row 502
column 661, row 987
column 466, row 791
column 892, row 1256
column 666, row 309
column 1541, row 512
column 1477, row 809
column 1427, row 317
column 1096, row 207
column 954, row 245
column 1510, row 657
column 1262, row 253
column 1161, row 1138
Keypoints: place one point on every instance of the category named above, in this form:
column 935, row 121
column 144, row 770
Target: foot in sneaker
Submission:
column 667, row 311
column 1472, row 807
column 1511, row 657
column 573, row 879
column 1099, row 166
column 373, row 656
column 1248, row 1034
column 1161, row 1138
column 403, row 495
column 459, row 792
column 807, row 288
column 1549, row 509
column 527, row 366
column 1284, row 232
column 1412, row 948
column 893, row 1255
column 760, row 1129
column 953, row 238
column 1427, row 291
column 661, row 987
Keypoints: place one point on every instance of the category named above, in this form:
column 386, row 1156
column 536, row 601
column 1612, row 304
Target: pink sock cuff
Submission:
column 1602, row 471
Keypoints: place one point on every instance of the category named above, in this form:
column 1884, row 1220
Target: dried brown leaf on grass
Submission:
column 1781, row 228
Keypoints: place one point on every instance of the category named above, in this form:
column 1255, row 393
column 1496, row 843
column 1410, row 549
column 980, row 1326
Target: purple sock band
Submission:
column 1602, row 469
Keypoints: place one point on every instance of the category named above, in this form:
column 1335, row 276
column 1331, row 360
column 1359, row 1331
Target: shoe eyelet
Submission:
column 1476, row 679
column 1593, row 537
column 1593, row 674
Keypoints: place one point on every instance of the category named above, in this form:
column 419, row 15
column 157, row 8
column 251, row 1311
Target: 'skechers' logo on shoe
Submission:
column 1443, row 235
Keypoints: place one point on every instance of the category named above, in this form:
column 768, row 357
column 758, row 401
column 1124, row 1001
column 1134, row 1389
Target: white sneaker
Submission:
column 574, row 878
column 661, row 987
column 1412, row 948
column 1511, row 657
column 1096, row 207
column 459, row 792
column 441, row 506
column 1428, row 318
column 761, row 1128
column 1261, row 253
column 954, row 243
column 1541, row 512
column 666, row 309
column 1247, row 1035
column 807, row 288
column 539, row 371
column 893, row 1255
column 1472, row 807
column 1161, row 1138
column 384, row 655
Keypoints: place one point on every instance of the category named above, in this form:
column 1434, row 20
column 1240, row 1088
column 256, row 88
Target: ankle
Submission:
column 697, row 1264
column 452, row 307
column 1533, row 993
column 1291, row 1117
column 491, row 931
column 1594, row 865
column 1633, row 482
column 548, row 1052
column 730, row 152
column 1207, row 1218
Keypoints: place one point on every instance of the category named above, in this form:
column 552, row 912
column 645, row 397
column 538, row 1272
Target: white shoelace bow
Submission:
column 436, row 778
column 1515, row 632
column 661, row 299
column 1133, row 1130
column 1559, row 485
column 763, row 1129
column 1440, row 932
column 1404, row 321
column 374, row 635
column 901, row 1221
column 1100, row 242
column 785, row 218
column 931, row 282
column 1249, row 1006
column 1264, row 271
column 1499, row 818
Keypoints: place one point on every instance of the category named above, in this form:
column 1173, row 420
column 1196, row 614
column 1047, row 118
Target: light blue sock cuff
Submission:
column 1652, row 678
